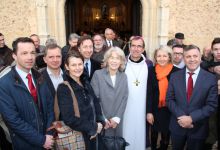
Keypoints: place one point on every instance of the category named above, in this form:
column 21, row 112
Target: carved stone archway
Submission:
column 154, row 28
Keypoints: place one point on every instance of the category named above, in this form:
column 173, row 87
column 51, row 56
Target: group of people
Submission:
column 127, row 96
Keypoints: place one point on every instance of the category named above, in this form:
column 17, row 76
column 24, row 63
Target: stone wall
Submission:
column 199, row 20
column 17, row 18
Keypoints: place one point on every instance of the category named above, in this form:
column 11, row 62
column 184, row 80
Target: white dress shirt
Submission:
column 109, row 43
column 194, row 76
column 23, row 76
column 56, row 80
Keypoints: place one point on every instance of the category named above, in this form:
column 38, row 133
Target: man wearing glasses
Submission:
column 134, row 123
column 178, row 56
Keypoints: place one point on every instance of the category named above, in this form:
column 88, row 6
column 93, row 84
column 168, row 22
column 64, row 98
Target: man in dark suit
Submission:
column 109, row 38
column 53, row 73
column 191, row 97
column 85, row 46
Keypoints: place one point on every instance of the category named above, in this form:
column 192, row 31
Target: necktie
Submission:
column 190, row 86
column 109, row 44
column 31, row 87
column 87, row 68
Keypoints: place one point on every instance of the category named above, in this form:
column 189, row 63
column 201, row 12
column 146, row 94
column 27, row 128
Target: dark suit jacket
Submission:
column 114, row 42
column 48, row 82
column 202, row 103
column 94, row 66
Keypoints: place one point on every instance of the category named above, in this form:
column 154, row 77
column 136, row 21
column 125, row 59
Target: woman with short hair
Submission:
column 91, row 117
column 158, row 115
column 110, row 86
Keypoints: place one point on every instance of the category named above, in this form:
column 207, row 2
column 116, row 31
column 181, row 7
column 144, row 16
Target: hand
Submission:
column 150, row 118
column 185, row 121
column 49, row 142
column 216, row 70
column 92, row 137
column 100, row 126
column 113, row 124
column 218, row 86
column 107, row 124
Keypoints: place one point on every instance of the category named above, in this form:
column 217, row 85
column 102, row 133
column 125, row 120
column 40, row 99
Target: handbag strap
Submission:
column 75, row 103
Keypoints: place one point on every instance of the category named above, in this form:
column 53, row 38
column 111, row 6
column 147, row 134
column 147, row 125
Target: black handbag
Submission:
column 113, row 142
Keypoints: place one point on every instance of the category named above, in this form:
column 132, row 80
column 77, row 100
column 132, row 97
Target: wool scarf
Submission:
column 161, row 73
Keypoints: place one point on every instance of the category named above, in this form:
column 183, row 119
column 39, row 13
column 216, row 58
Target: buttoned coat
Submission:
column 27, row 122
column 113, row 98
column 202, row 103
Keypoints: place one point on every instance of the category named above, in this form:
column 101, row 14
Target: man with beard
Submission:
column 99, row 48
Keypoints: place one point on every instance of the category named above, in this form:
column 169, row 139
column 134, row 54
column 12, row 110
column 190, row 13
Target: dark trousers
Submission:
column 179, row 142
column 147, row 134
column 4, row 144
column 164, row 142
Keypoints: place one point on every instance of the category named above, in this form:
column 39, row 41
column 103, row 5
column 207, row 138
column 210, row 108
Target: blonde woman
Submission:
column 158, row 115
column 110, row 86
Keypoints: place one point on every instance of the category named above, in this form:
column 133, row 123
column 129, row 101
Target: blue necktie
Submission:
column 87, row 67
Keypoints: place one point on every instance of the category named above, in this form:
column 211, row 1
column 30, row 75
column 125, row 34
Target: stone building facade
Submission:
column 161, row 19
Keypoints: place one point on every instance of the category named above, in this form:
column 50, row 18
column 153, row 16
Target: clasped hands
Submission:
column 110, row 124
column 185, row 121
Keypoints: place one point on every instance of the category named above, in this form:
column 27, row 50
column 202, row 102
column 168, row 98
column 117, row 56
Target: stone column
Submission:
column 42, row 20
column 61, row 23
column 163, row 22
column 150, row 25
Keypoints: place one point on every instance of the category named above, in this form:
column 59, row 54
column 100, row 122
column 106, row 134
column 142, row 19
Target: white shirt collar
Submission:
column 22, row 73
column 50, row 72
column 87, row 61
column 195, row 72
column 23, row 76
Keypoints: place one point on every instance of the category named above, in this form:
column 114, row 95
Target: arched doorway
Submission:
column 124, row 16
